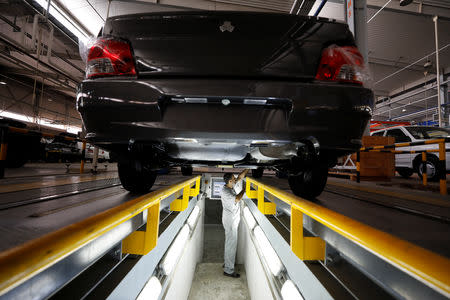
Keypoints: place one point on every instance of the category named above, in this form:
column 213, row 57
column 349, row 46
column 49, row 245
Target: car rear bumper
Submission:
column 117, row 110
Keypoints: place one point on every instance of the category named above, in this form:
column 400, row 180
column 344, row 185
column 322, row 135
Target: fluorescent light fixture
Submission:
column 2, row 82
column 175, row 250
column 249, row 218
column 151, row 290
column 20, row 117
column 255, row 101
column 268, row 252
column 192, row 220
column 65, row 20
column 290, row 292
column 184, row 140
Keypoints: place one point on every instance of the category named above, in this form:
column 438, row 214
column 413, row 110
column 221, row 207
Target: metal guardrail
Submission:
column 431, row 269
column 391, row 149
column 22, row 263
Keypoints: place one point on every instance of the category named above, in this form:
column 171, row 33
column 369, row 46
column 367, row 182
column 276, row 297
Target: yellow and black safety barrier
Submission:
column 441, row 167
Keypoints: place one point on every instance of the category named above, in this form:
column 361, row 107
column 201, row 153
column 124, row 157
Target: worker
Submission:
column 230, row 218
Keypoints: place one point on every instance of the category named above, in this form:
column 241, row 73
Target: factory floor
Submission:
column 209, row 281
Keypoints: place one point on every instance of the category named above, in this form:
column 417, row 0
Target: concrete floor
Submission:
column 209, row 281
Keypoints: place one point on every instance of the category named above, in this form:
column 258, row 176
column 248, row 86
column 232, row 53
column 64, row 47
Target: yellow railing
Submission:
column 426, row 266
column 23, row 262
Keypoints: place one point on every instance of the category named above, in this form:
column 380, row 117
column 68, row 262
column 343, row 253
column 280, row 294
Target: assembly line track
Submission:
column 396, row 207
column 53, row 197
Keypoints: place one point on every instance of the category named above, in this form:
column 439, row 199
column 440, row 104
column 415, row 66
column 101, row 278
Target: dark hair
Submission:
column 227, row 177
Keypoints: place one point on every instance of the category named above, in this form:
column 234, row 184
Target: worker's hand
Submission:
column 243, row 174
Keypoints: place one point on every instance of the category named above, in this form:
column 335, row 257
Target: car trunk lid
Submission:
column 235, row 44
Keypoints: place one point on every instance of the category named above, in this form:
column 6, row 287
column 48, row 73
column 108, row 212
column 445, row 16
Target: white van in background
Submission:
column 407, row 164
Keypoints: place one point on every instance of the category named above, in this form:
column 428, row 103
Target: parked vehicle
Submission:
column 407, row 164
column 258, row 90
column 103, row 155
column 60, row 149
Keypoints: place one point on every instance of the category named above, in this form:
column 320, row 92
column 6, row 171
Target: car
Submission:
column 89, row 153
column 408, row 164
column 242, row 89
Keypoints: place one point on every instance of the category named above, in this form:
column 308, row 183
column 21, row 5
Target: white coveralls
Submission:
column 230, row 220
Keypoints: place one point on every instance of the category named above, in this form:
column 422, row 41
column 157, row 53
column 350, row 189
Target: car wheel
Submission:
column 135, row 177
column 310, row 183
column 186, row 171
column 433, row 173
column 257, row 173
column 405, row 173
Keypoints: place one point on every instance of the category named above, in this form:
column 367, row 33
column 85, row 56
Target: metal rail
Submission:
column 24, row 262
column 53, row 197
column 426, row 267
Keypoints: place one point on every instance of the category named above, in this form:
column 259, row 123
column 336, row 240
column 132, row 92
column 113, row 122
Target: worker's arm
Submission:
column 239, row 196
column 242, row 175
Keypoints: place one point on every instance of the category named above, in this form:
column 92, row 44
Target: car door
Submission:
column 401, row 160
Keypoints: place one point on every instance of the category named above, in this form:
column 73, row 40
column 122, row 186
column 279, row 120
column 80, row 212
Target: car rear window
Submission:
column 379, row 133
column 423, row 133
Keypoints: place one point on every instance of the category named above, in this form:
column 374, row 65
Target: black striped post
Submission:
column 83, row 155
column 442, row 169
column 358, row 166
column 3, row 149
column 424, row 168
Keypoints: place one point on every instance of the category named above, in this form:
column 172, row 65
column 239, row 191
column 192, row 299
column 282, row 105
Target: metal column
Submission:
column 360, row 23
column 438, row 77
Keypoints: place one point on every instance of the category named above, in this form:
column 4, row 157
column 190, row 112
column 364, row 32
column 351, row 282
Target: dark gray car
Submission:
column 246, row 89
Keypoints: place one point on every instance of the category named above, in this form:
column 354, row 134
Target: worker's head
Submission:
column 229, row 179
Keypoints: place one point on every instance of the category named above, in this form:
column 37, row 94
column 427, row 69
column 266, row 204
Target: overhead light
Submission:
column 151, row 290
column 268, row 252
column 405, row 2
column 2, row 82
column 65, row 20
column 175, row 250
column 192, row 220
column 403, row 110
column 290, row 292
column 249, row 218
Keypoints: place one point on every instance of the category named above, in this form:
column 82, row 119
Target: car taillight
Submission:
column 344, row 64
column 110, row 57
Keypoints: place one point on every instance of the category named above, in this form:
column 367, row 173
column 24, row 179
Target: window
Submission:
column 399, row 136
column 422, row 133
column 379, row 133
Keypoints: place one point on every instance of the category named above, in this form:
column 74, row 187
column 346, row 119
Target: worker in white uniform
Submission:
column 230, row 219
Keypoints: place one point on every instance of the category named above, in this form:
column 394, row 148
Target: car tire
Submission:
column 257, row 173
column 432, row 168
column 135, row 177
column 405, row 172
column 186, row 171
column 310, row 183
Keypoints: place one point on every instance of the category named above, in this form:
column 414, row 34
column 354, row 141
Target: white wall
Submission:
column 183, row 274
column 258, row 285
